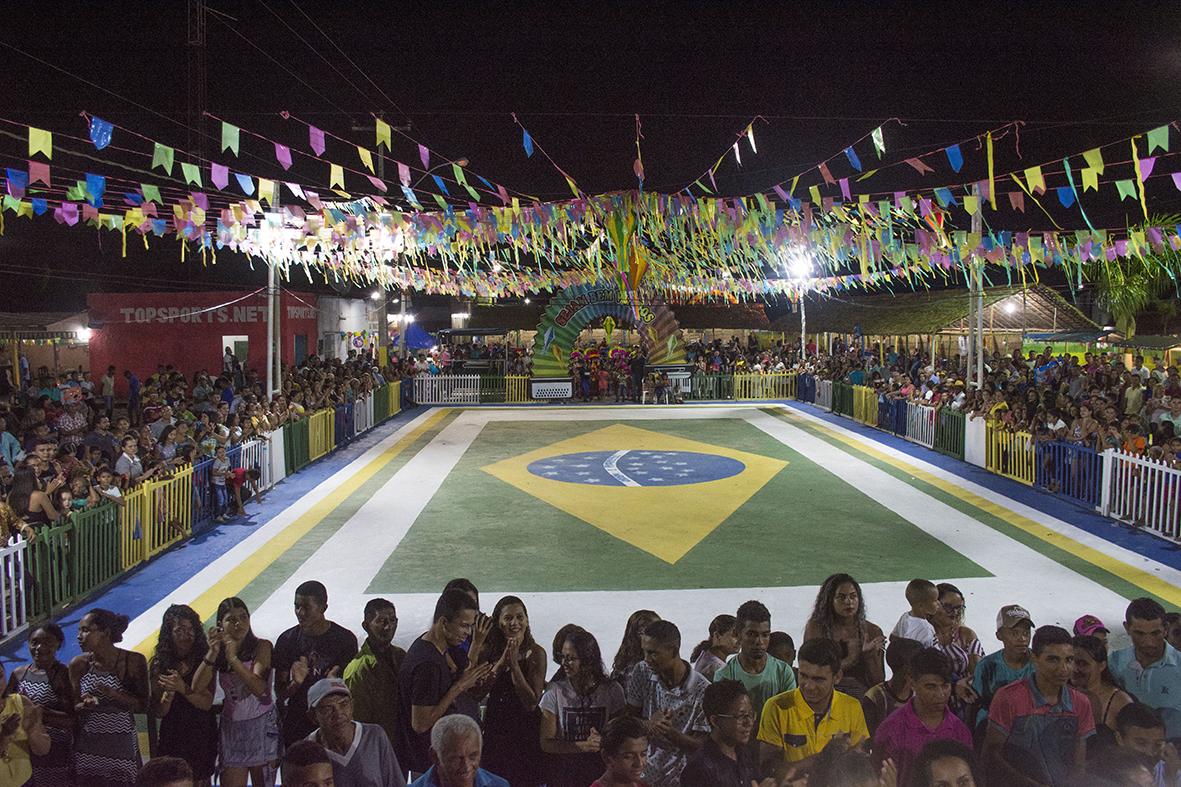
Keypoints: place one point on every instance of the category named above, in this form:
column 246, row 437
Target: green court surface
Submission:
column 789, row 531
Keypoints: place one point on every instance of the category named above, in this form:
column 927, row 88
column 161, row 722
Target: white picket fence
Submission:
column 920, row 424
column 256, row 454
column 824, row 394
column 14, row 616
column 362, row 414
column 1143, row 492
column 447, row 389
column 277, row 461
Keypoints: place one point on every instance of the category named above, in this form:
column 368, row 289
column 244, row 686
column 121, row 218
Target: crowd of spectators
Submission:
column 67, row 445
column 477, row 699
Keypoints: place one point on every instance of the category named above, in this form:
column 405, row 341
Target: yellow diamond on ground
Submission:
column 664, row 520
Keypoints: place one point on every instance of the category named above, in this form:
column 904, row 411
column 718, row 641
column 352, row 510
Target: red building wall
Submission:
column 138, row 331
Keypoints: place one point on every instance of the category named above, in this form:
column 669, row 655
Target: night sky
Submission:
column 820, row 75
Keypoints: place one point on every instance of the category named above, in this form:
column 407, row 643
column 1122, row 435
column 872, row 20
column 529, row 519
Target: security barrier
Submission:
column 1071, row 470
column 1010, row 454
column 712, row 386
column 777, row 385
column 824, row 394
column 517, row 389
column 14, row 591
column 949, row 432
column 1144, row 492
column 892, row 415
column 806, row 388
column 842, row 398
column 447, row 389
column 321, row 433
column 920, row 424
column 90, row 548
column 865, row 405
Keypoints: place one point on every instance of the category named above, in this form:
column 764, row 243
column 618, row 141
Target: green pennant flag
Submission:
column 879, row 142
column 77, row 192
column 229, row 137
column 702, row 186
column 439, row 199
column 471, row 192
column 192, row 173
column 1158, row 138
column 1126, row 189
column 457, row 171
column 162, row 157
column 151, row 193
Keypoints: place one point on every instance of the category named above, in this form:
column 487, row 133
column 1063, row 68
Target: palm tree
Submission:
column 1127, row 287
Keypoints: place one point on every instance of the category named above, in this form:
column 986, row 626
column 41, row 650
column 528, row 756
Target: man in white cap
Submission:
column 1014, row 629
column 361, row 754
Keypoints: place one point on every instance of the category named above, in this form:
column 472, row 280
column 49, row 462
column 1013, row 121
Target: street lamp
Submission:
column 797, row 264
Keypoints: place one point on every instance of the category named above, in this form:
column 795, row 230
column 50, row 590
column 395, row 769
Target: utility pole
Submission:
column 197, row 78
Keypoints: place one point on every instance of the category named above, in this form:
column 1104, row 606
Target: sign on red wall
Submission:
column 141, row 331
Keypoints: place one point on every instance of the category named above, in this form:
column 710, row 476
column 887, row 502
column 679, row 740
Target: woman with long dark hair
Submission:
column 249, row 740
column 28, row 501
column 629, row 653
column 574, row 711
column 112, row 684
column 1092, row 676
column 959, row 643
column 710, row 654
column 839, row 615
column 188, row 726
column 512, row 748
column 46, row 682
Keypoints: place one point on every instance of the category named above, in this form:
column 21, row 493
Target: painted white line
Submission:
column 148, row 623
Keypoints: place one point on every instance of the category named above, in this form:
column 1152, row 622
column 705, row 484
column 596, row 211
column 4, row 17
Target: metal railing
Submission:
column 761, row 387
column 1010, row 454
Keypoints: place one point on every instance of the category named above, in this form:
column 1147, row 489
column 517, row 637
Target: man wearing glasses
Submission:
column 724, row 760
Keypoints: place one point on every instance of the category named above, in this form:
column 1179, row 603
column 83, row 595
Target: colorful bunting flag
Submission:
column 854, row 162
column 100, row 132
column 40, row 141
column 879, row 141
column 366, row 158
column 955, row 158
column 162, row 157
column 383, row 133
column 283, row 155
column 316, row 140
column 1158, row 138
column 229, row 137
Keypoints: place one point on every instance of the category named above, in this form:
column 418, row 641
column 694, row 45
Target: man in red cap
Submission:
column 1091, row 626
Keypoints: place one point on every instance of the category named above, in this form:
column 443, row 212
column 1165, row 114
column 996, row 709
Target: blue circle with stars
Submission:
column 636, row 468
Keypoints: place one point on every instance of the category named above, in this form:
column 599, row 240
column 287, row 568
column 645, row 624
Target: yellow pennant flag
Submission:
column 1034, row 180
column 991, row 175
column 366, row 158
column 266, row 191
column 1094, row 159
column 1090, row 179
column 815, row 192
column 383, row 133
column 573, row 186
column 335, row 175
column 40, row 141
column 1139, row 177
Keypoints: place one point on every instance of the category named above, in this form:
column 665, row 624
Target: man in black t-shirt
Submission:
column 430, row 681
column 315, row 648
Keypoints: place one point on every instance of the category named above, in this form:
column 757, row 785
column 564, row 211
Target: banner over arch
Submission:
column 580, row 305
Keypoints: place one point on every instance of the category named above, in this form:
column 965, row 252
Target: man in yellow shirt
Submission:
column 796, row 725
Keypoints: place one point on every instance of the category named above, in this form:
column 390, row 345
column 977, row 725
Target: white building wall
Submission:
column 339, row 315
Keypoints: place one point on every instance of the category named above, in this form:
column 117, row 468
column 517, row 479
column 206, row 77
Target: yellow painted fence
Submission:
column 865, row 405
column 1011, row 454
column 777, row 385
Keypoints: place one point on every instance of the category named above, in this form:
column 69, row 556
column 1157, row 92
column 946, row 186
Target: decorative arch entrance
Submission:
column 577, row 308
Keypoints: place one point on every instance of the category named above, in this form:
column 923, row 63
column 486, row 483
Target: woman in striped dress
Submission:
column 960, row 644
column 46, row 682
column 113, row 686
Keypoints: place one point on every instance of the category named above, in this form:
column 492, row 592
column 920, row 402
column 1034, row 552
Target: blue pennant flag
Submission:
column 527, row 141
column 246, row 183
column 1066, row 196
column 100, row 132
column 442, row 186
column 955, row 158
column 853, row 160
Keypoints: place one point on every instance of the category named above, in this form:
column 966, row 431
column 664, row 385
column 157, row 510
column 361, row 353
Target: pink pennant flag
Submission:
column 377, row 183
column 1146, row 165
column 898, row 197
column 219, row 174
column 1017, row 200
column 845, row 189
column 783, row 195
column 1177, row 180
column 201, row 200
column 70, row 213
column 403, row 174
column 314, row 200
column 89, row 212
column 283, row 153
column 711, row 180
column 39, row 171
column 924, row 207
column 424, row 155
column 827, row 175
column 502, row 193
column 316, row 140
column 919, row 165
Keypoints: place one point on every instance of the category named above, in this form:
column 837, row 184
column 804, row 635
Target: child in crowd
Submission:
column 220, row 471
column 106, row 487
column 923, row 597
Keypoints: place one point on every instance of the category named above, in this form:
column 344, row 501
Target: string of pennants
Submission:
column 504, row 242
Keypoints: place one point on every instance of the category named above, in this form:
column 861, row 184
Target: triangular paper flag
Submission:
column 366, row 158
column 1066, row 196
column 100, row 132
column 424, row 155
column 162, row 156
column 283, row 155
column 919, row 165
column 316, row 140
column 383, row 133
column 1094, row 159
column 853, row 160
column 151, row 193
column 828, row 178
column 1034, row 180
column 750, row 135
column 1158, row 138
column 403, row 174
column 336, row 175
column 40, row 141
column 1146, row 166
column 245, row 182
column 377, row 183
column 955, row 158
column 1090, row 179
column 1126, row 189
column 191, row 173
column 219, row 175
column 229, row 137
column 39, row 173
column 879, row 142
